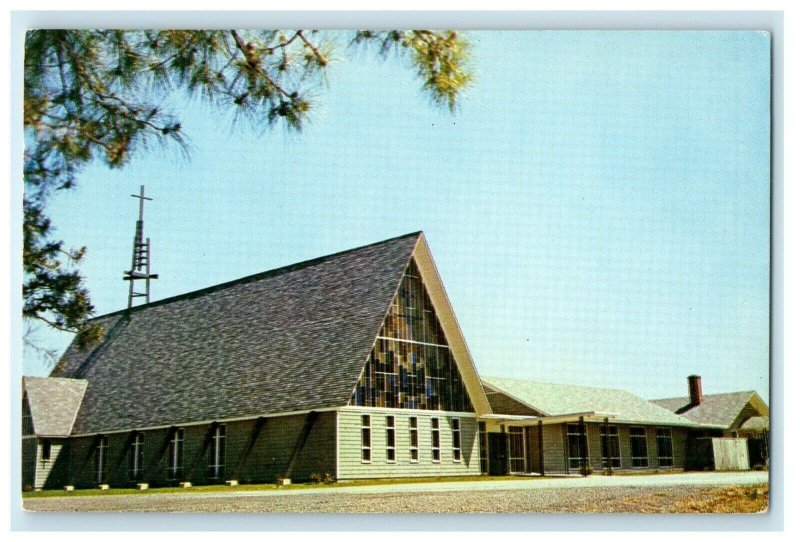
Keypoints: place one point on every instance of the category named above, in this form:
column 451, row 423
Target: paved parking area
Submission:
column 655, row 480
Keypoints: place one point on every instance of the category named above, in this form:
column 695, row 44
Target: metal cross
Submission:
column 141, row 198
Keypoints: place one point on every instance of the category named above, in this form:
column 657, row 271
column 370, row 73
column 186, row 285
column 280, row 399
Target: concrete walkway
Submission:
column 655, row 480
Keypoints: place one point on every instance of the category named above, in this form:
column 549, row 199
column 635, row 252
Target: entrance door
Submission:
column 498, row 458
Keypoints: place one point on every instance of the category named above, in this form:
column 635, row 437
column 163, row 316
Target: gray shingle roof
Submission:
column 291, row 339
column 756, row 423
column 54, row 403
column 561, row 399
column 717, row 409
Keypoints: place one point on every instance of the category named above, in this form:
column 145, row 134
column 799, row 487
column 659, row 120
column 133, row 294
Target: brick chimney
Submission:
column 695, row 390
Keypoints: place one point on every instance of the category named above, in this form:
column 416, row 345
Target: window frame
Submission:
column 391, row 440
column 46, row 452
column 436, row 441
column 455, row 433
column 101, row 460
column 366, row 438
column 643, row 437
column 217, row 459
column 663, row 459
column 413, row 439
column 518, row 432
column 616, row 460
column 483, row 451
column 136, row 458
column 585, row 434
column 176, row 457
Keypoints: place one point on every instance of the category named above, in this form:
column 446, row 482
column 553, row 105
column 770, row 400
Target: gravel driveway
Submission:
column 596, row 493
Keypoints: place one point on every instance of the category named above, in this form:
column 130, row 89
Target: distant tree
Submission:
column 99, row 94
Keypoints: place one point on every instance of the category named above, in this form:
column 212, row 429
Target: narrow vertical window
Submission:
column 455, row 427
column 484, row 447
column 101, row 460
column 638, row 447
column 366, row 439
column 578, row 445
column 390, row 450
column 609, row 442
column 436, row 454
column 217, row 459
column 136, row 457
column 46, row 449
column 664, row 446
column 516, row 449
column 175, row 458
column 413, row 439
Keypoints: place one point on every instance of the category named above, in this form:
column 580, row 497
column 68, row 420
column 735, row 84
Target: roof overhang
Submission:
column 548, row 420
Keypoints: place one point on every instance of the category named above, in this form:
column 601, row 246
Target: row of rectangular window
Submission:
column 609, row 442
column 413, row 439
column 175, row 456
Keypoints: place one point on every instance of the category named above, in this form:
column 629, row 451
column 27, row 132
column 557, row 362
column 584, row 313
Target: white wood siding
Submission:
column 349, row 443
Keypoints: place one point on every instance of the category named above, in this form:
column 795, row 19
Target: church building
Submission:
column 343, row 367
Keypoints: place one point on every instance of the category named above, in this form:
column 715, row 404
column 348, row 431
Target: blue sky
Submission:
column 598, row 207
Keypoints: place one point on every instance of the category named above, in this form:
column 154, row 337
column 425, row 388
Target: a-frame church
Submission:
column 350, row 365
column 343, row 367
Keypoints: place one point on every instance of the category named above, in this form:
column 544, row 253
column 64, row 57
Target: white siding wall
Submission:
column 44, row 468
column 349, row 444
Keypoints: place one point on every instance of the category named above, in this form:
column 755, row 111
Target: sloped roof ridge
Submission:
column 584, row 386
column 686, row 397
column 253, row 278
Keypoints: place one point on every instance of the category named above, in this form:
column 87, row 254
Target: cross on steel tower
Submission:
column 140, row 264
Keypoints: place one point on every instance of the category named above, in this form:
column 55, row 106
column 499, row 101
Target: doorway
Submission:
column 498, row 455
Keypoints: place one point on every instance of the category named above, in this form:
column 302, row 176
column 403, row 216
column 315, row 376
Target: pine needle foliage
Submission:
column 99, row 95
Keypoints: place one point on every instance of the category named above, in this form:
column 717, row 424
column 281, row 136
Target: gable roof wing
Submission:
column 716, row 409
column 756, row 423
column 563, row 399
column 288, row 340
column 53, row 403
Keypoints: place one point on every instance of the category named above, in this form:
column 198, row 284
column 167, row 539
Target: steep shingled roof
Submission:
column 291, row 339
column 562, row 399
column 717, row 409
column 54, row 403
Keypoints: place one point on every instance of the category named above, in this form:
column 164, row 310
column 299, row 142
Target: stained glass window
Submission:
column 411, row 365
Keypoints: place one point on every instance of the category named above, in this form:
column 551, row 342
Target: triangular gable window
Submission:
column 411, row 364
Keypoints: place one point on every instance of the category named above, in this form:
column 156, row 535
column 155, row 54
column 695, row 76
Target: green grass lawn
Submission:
column 261, row 487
